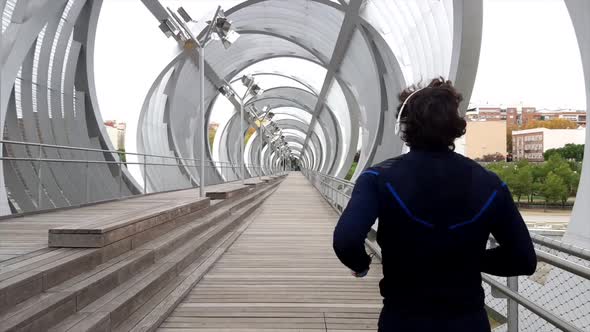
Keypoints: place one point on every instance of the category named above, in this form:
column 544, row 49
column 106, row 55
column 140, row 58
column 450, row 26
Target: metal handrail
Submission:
column 512, row 294
column 164, row 161
column 560, row 246
column 73, row 148
column 533, row 307
column 84, row 161
column 542, row 256
column 538, row 310
column 563, row 264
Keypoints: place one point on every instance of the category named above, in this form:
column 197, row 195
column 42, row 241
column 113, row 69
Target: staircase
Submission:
column 131, row 284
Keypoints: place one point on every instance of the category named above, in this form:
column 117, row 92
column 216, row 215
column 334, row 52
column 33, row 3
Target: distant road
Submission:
column 536, row 216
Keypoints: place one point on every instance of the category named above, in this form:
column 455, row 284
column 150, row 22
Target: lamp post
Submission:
column 174, row 26
column 251, row 89
column 254, row 89
column 261, row 118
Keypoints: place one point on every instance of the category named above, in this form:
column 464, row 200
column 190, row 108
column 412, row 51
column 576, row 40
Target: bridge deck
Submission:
column 282, row 275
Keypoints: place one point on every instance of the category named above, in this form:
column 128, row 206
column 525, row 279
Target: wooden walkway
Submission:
column 282, row 275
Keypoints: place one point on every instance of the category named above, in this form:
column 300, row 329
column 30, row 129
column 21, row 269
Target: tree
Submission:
column 539, row 173
column 569, row 179
column 494, row 157
column 212, row 131
column 554, row 189
column 351, row 171
column 501, row 169
column 568, row 152
column 576, row 166
column 249, row 133
column 122, row 155
column 522, row 182
column 551, row 124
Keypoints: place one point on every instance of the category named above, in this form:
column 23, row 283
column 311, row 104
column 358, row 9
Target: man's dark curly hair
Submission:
column 431, row 119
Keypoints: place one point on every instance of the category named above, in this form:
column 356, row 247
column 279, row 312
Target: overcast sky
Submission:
column 529, row 56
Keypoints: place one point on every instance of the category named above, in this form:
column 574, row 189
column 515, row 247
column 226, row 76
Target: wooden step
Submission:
column 35, row 273
column 254, row 183
column 79, row 290
column 110, row 293
column 125, row 299
column 154, row 315
column 105, row 231
column 166, row 244
column 172, row 287
column 26, row 278
column 21, row 281
column 39, row 312
column 225, row 191
column 91, row 285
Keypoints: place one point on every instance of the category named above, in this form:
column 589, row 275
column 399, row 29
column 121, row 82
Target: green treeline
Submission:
column 554, row 181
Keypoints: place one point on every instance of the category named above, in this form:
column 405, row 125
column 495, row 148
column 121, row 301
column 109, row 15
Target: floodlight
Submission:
column 222, row 25
column 185, row 16
column 256, row 90
column 247, row 80
column 169, row 28
column 230, row 38
column 226, row 91
column 222, row 28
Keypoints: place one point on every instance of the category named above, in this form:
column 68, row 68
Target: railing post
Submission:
column 512, row 310
column 145, row 190
column 204, row 129
column 120, row 178
column 242, row 142
column 86, row 177
column 39, row 180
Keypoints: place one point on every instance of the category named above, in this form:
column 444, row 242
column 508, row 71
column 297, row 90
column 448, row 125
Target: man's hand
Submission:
column 365, row 272
column 361, row 274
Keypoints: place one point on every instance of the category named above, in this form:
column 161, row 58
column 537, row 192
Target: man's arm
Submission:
column 515, row 254
column 355, row 223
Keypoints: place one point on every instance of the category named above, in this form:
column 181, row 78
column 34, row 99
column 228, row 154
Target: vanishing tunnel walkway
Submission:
column 282, row 274
column 252, row 257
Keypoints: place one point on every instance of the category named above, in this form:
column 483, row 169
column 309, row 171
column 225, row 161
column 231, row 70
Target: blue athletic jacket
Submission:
column 436, row 211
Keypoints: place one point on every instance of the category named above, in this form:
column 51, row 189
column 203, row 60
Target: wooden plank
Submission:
column 225, row 191
column 104, row 231
column 281, row 275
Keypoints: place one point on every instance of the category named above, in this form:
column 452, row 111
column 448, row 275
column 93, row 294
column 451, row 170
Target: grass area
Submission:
column 351, row 171
column 494, row 323
column 542, row 212
column 541, row 200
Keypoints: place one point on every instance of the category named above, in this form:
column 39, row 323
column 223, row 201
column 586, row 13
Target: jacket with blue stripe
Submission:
column 436, row 211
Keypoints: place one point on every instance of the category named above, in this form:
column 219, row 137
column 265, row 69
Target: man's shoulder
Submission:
column 475, row 169
column 479, row 172
column 388, row 164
